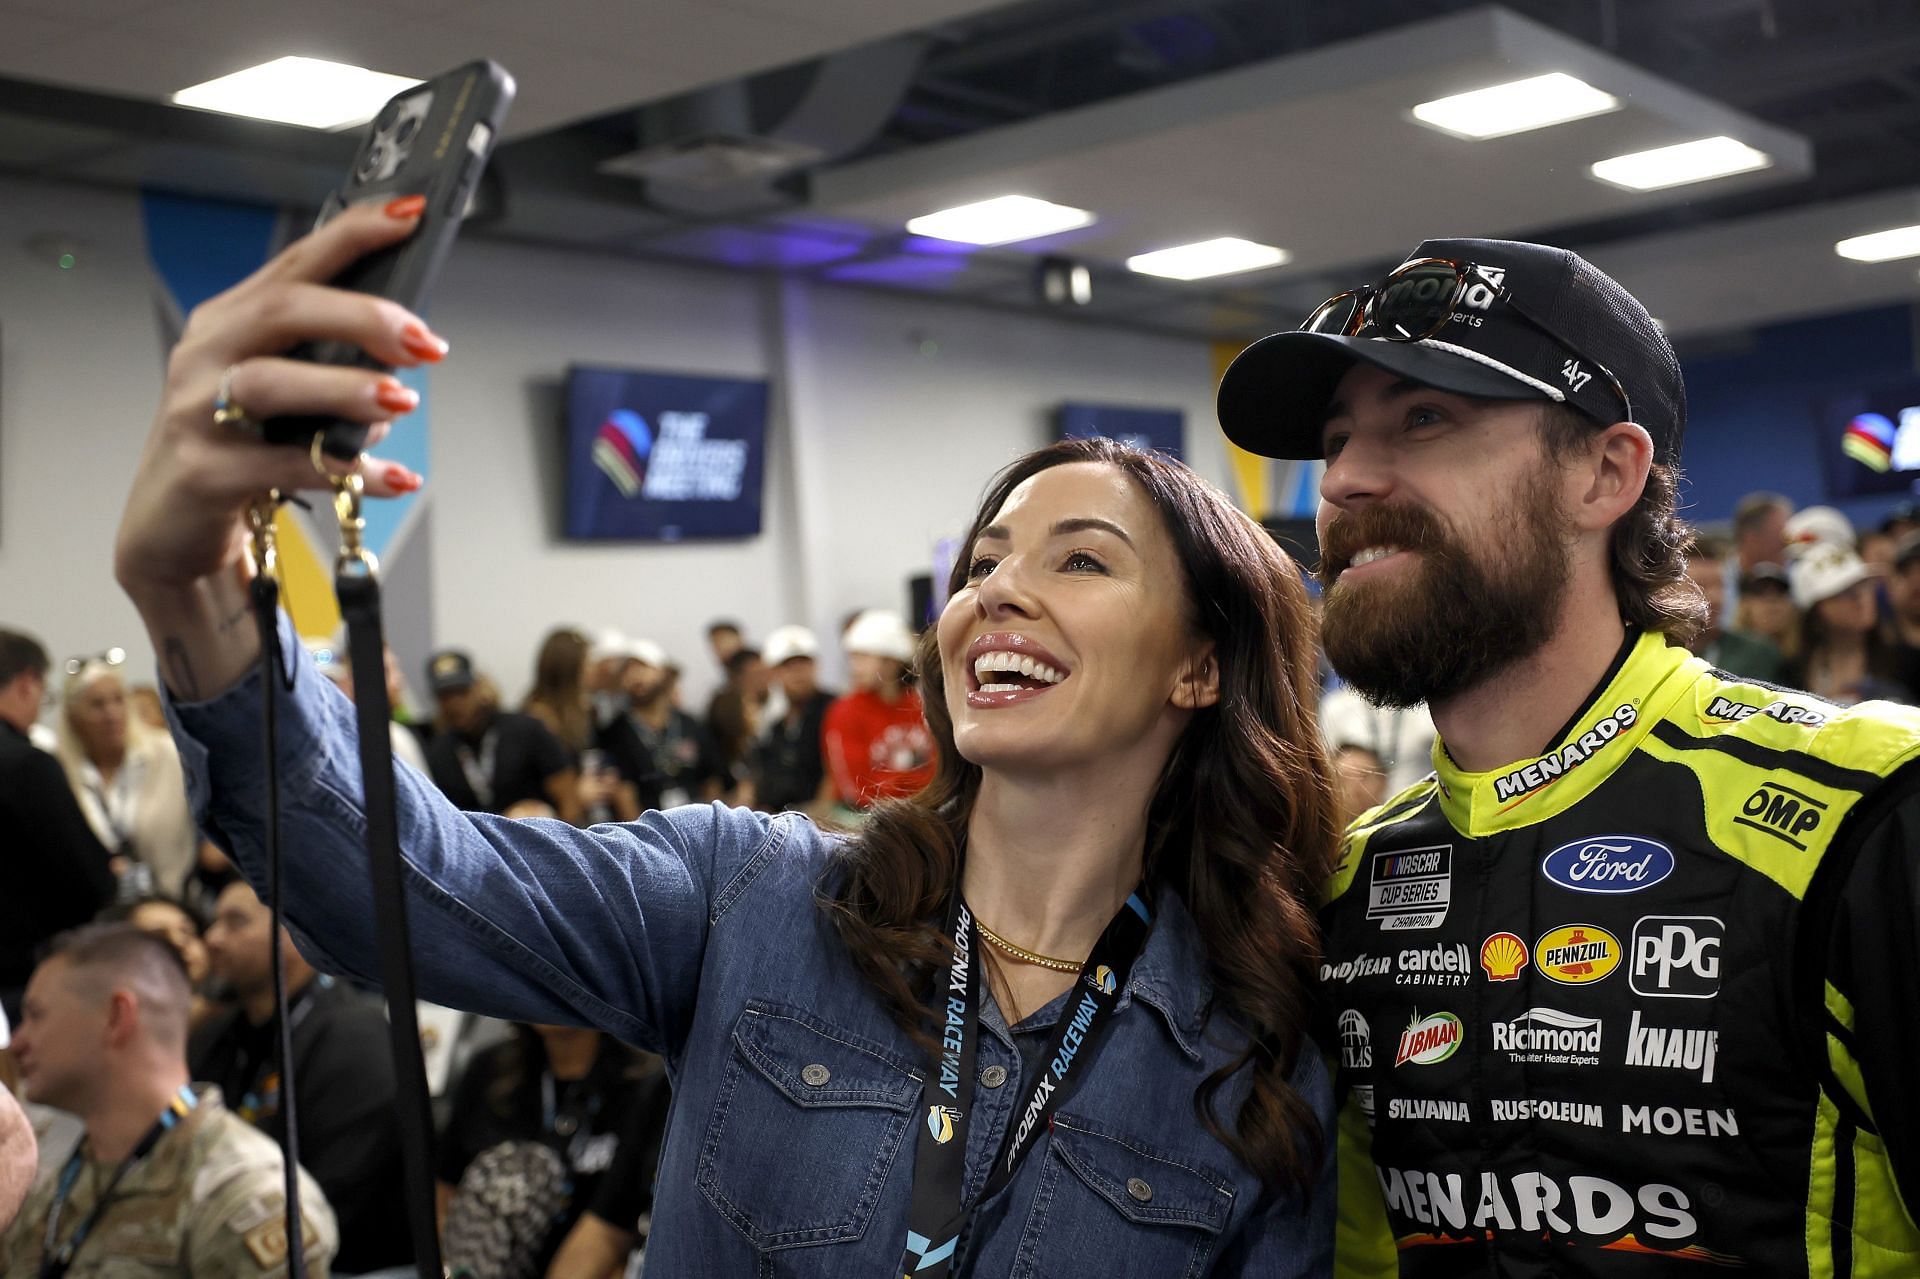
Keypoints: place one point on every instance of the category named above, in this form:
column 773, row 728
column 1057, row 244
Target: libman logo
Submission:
column 1654, row 1219
column 1429, row 1039
column 1549, row 769
column 1577, row 954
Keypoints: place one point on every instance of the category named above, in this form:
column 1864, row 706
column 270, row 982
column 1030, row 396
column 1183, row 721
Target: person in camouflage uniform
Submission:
column 196, row 1192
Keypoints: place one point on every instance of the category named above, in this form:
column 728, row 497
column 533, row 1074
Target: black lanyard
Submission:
column 938, row 1212
column 55, row 1261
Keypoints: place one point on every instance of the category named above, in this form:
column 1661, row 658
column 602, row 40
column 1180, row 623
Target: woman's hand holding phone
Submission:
column 180, row 551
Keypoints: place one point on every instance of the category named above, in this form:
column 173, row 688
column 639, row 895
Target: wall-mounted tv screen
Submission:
column 658, row 457
column 1162, row 429
column 1870, row 440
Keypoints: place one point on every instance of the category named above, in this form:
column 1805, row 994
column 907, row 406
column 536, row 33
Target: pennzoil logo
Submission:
column 1102, row 978
column 1548, row 769
column 1503, row 955
column 940, row 1121
column 1577, row 954
column 1429, row 1040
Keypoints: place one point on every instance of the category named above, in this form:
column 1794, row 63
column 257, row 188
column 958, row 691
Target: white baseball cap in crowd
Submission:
column 1816, row 526
column 787, row 643
column 880, row 632
column 645, row 650
column 1823, row 570
column 608, row 643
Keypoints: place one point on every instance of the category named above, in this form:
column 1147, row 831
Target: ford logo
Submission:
column 1608, row 864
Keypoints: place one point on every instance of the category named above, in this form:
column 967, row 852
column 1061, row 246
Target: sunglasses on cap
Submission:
column 1416, row 300
column 109, row 657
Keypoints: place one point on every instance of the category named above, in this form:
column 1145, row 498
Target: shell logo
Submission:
column 1503, row 955
column 940, row 1123
column 1577, row 954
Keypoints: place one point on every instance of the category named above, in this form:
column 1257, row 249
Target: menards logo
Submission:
column 1548, row 769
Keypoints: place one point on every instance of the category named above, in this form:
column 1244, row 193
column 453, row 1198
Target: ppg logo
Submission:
column 1677, row 956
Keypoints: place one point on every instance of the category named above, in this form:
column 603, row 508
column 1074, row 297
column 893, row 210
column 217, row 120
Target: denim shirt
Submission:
column 696, row 933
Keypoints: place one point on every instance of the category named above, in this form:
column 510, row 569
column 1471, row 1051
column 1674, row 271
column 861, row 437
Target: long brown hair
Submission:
column 559, row 695
column 1241, row 825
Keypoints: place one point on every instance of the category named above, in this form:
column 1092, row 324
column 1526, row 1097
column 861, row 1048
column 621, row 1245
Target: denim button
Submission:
column 1139, row 1189
column 993, row 1076
column 815, row 1075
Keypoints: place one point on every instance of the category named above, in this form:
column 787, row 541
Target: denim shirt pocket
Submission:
column 1109, row 1203
column 806, row 1124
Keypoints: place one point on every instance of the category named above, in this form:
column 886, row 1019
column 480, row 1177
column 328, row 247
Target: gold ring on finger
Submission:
column 226, row 412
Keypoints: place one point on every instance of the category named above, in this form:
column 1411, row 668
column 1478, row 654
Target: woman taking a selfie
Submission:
column 1045, row 1018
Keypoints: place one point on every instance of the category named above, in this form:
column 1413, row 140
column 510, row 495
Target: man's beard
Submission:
column 1458, row 618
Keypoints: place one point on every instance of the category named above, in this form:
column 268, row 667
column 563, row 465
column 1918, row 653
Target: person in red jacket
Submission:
column 875, row 738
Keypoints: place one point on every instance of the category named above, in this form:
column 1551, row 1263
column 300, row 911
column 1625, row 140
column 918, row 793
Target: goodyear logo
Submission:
column 1782, row 812
column 940, row 1121
column 1503, row 955
column 1577, row 954
column 1103, row 978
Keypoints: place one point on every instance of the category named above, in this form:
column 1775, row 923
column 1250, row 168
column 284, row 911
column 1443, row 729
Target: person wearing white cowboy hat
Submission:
column 875, row 738
column 1846, row 657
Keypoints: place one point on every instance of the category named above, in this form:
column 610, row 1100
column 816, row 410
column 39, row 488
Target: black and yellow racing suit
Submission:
column 1645, row 1005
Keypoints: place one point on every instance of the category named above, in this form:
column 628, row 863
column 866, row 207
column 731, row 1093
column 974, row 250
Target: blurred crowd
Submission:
column 550, row 1134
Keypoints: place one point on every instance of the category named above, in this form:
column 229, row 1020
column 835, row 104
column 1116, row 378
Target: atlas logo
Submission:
column 1548, row 769
column 1666, row 1048
column 1411, row 888
column 1577, row 954
column 1723, row 708
column 1677, row 956
column 940, row 1121
column 1503, row 955
column 1782, row 812
column 1611, row 864
column 1589, row 1211
column 1356, row 1041
column 1429, row 1040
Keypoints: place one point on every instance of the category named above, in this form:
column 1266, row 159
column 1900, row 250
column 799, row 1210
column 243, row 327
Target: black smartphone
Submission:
column 431, row 140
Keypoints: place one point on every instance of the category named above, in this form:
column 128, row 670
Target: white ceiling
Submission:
column 573, row 59
column 1318, row 153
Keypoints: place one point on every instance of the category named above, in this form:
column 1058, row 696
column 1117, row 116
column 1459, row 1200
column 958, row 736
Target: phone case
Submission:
column 431, row 140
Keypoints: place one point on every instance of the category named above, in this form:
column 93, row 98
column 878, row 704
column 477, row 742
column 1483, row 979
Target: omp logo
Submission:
column 1588, row 1211
column 1782, row 812
column 1549, row 768
column 1723, row 708
column 1608, row 864
column 1677, row 956
column 1429, row 1040
column 940, row 1121
column 1577, row 954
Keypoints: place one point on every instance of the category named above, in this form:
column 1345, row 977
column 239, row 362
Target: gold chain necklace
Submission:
column 1044, row 961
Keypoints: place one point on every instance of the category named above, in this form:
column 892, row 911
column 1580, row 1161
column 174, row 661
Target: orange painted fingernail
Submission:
column 395, row 398
column 421, row 344
column 407, row 206
column 400, row 479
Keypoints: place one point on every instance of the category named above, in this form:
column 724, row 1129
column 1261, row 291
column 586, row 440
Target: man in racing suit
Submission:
column 1630, row 985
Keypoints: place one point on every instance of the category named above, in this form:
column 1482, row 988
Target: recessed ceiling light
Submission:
column 306, row 91
column 1000, row 221
column 1533, row 103
column 1676, row 165
column 1882, row 246
column 1223, row 256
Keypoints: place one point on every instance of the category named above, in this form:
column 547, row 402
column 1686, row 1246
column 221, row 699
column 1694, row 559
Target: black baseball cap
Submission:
column 450, row 670
column 1274, row 396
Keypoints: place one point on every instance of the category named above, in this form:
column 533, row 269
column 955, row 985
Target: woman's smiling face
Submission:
column 1069, row 642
